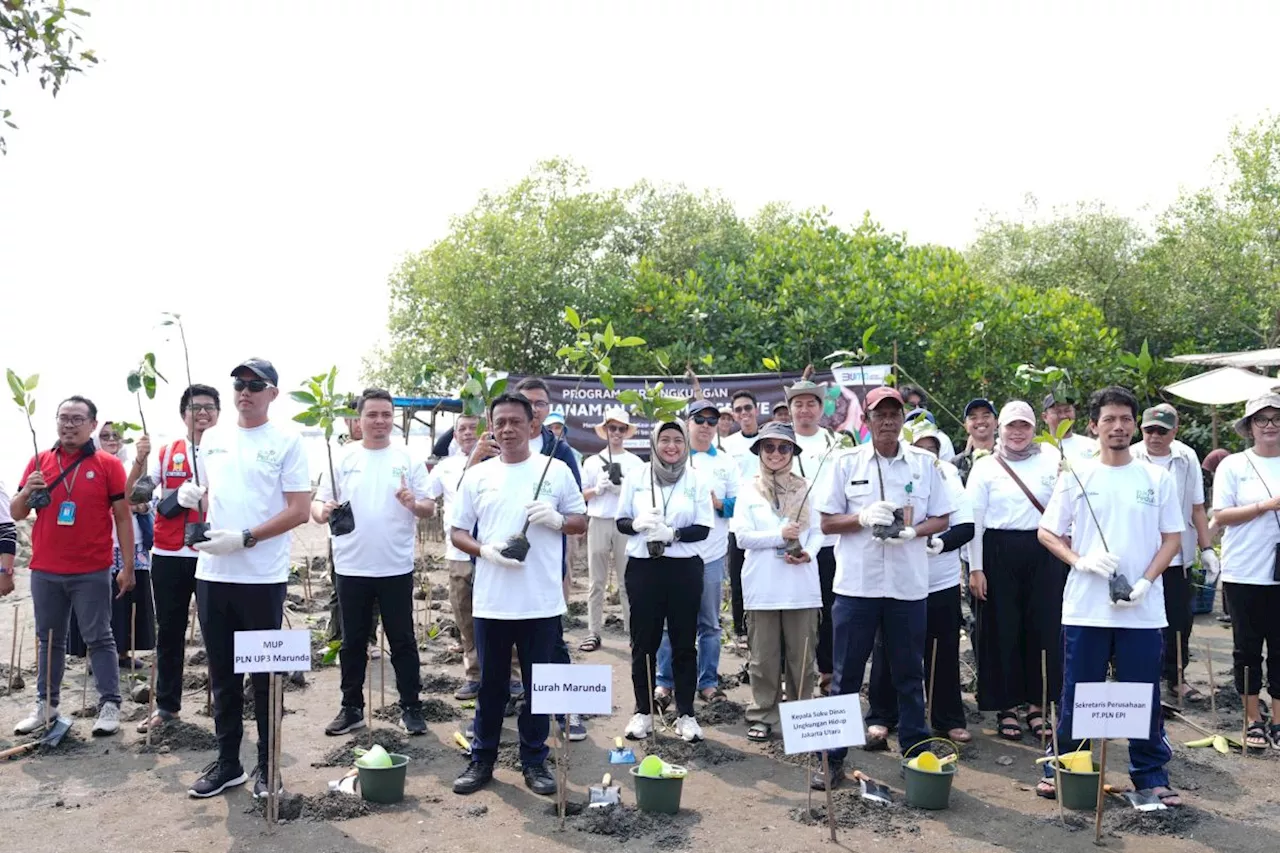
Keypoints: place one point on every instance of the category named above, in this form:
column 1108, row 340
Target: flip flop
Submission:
column 590, row 644
column 1046, row 789
column 759, row 732
column 711, row 694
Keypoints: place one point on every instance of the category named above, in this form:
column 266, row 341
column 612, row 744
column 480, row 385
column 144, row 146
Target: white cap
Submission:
column 1017, row 410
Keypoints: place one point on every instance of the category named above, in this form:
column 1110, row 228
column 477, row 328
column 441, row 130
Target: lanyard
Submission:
column 68, row 483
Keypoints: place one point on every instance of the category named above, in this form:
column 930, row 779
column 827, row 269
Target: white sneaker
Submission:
column 688, row 729
column 33, row 723
column 108, row 722
column 640, row 727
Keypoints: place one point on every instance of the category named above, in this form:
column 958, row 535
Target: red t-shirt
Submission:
column 85, row 546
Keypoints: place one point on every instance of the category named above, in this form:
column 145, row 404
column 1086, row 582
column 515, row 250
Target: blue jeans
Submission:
column 708, row 632
column 535, row 641
column 903, row 623
column 1138, row 654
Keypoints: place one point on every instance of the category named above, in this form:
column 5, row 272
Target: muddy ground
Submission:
column 114, row 794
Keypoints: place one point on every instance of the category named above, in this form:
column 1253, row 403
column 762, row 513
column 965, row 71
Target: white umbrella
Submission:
column 1223, row 387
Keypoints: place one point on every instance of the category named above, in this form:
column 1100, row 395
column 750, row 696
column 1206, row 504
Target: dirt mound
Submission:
column 573, row 623
column 329, row 806
column 198, row 658
column 392, row 740
column 177, row 735
column 446, row 657
column 434, row 710
column 509, row 757
column 704, row 753
column 577, row 608
column 1178, row 823
column 613, row 622
column 197, row 680
column 854, row 812
column 624, row 823
column 440, row 682
column 722, row 712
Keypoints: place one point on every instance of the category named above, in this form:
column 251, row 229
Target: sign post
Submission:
column 561, row 688
column 1110, row 709
column 819, row 725
column 271, row 653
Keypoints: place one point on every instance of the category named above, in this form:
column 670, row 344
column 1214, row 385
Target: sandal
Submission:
column 959, row 736
column 1008, row 725
column 1046, row 789
column 877, row 739
column 1167, row 796
column 661, row 698
column 1187, row 693
column 759, row 732
column 1275, row 735
column 1037, row 725
column 590, row 644
column 711, row 694
column 1256, row 736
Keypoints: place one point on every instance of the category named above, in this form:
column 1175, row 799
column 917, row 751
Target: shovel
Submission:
column 873, row 790
column 1140, row 801
column 52, row 737
column 621, row 753
column 604, row 794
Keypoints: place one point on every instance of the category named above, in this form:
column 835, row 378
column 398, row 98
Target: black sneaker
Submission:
column 413, row 721
column 819, row 781
column 260, row 787
column 476, row 776
column 216, row 778
column 348, row 720
column 538, row 778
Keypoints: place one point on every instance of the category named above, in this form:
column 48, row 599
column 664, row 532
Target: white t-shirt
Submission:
column 686, row 502
column 720, row 472
column 382, row 543
column 809, row 464
column 998, row 503
column 596, row 470
column 492, row 501
column 768, row 581
column 1183, row 465
column 1079, row 448
column 1134, row 504
column 1248, row 550
column 248, row 472
column 443, row 481
column 739, row 447
column 944, row 569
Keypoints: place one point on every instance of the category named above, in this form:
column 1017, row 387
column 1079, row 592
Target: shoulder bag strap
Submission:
column 1262, row 480
column 1021, row 485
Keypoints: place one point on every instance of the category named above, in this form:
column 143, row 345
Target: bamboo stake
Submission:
column 563, row 768
column 48, row 678
column 191, row 624
column 933, row 665
column 1181, row 680
column 151, row 711
column 831, row 813
column 1057, row 766
column 1102, row 793
column 1244, row 723
column 653, row 727
column 271, row 747
column 13, row 650
column 1213, row 686
column 278, row 714
column 84, row 687
column 368, row 683
column 22, row 643
column 382, row 665
column 1044, row 691
column 808, row 761
column 133, row 637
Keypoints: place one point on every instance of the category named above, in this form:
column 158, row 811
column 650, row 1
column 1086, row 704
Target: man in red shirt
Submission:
column 78, row 494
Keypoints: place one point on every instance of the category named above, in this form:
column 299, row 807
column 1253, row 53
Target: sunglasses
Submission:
column 254, row 385
column 742, row 410
column 785, row 448
column 706, row 420
column 619, row 428
column 1156, row 429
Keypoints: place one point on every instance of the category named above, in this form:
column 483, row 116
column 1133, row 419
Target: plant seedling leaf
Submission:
column 571, row 317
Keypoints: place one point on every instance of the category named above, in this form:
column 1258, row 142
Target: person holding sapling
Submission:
column 71, row 557
column 604, row 475
column 173, row 563
column 1160, row 447
column 885, row 499
column 515, row 601
column 1117, row 523
column 774, row 516
column 1059, row 407
column 354, row 434
column 8, row 542
column 980, row 424
column 666, row 510
column 942, row 619
column 1246, row 505
column 746, row 409
column 720, row 473
column 258, row 489
column 1016, row 582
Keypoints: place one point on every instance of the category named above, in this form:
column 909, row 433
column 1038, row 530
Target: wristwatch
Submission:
column 249, row 540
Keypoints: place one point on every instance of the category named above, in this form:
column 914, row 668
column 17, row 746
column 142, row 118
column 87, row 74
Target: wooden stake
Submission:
column 1057, row 768
column 133, row 640
column 84, row 687
column 831, row 813
column 271, row 750
column 278, row 715
column 48, row 679
column 208, row 692
column 13, row 650
column 382, row 665
column 1213, row 687
column 368, row 683
column 151, row 711
column 1102, row 793
column 653, row 727
column 562, row 765
column 21, row 643
column 191, row 624
column 1044, row 690
column 1244, row 723
column 928, row 700
column 1181, row 679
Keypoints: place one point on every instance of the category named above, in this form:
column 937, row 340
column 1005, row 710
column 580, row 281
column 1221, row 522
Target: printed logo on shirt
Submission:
column 268, row 455
column 1048, row 480
column 1147, row 497
column 400, row 471
column 88, row 475
column 178, row 459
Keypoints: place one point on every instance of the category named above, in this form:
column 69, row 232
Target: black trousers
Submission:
column 666, row 590
column 736, row 558
column 173, row 584
column 826, row 580
column 1021, row 618
column 942, row 626
column 335, row 609
column 1177, row 612
column 1254, row 623
column 225, row 608
column 361, row 599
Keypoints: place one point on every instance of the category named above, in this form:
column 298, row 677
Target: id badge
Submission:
column 67, row 513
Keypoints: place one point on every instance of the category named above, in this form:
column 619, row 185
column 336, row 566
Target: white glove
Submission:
column 1212, row 567
column 221, row 542
column 880, row 512
column 1103, row 564
column 647, row 519
column 190, row 495
column 904, row 536
column 663, row 533
column 1135, row 598
column 605, row 486
column 933, row 545
column 493, row 554
column 541, row 512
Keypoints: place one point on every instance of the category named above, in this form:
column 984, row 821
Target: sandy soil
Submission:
column 112, row 794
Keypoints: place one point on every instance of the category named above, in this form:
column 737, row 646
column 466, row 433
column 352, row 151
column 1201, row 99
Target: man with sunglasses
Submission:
column 746, row 410
column 1160, row 447
column 258, row 489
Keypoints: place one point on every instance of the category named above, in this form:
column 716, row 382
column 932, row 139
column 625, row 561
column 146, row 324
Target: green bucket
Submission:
column 927, row 790
column 1077, row 790
column 384, row 784
column 660, row 795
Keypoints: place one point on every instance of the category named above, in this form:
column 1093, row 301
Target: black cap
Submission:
column 979, row 403
column 261, row 368
column 1053, row 398
column 696, row 406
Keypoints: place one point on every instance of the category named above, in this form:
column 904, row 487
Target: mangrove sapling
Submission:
column 141, row 380
column 193, row 531
column 324, row 408
column 24, row 398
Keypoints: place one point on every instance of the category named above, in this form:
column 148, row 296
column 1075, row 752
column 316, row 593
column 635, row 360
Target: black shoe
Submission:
column 538, row 778
column 348, row 720
column 413, row 721
column 218, row 777
column 476, row 776
column 260, row 787
column 819, row 782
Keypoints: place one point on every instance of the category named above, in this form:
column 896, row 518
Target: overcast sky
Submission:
column 262, row 166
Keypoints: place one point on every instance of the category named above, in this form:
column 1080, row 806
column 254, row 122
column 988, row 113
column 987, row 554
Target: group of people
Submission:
column 1075, row 555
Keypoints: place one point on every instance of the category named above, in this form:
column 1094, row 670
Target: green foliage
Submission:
column 143, row 377
column 325, row 407
column 478, row 394
column 24, row 398
column 43, row 35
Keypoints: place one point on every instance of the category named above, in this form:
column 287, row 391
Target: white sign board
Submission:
column 567, row 688
column 273, row 651
column 1111, row 709
column 819, row 724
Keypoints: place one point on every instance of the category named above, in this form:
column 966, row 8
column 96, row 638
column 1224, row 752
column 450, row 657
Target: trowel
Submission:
column 621, row 753
column 52, row 737
column 1140, row 801
column 604, row 794
column 873, row 790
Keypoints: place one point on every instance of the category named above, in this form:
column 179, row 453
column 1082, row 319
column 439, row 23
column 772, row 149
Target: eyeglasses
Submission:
column 254, row 385
column 618, row 428
column 108, row 436
column 540, row 404
column 197, row 408
column 706, row 420
column 783, row 448
column 1158, row 430
column 742, row 410
column 72, row 420
column 1274, row 421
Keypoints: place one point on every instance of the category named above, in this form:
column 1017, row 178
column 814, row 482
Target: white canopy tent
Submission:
column 1222, row 387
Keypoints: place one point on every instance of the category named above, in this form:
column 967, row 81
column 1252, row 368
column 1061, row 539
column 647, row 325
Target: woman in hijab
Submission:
column 773, row 518
column 664, row 508
column 1016, row 583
